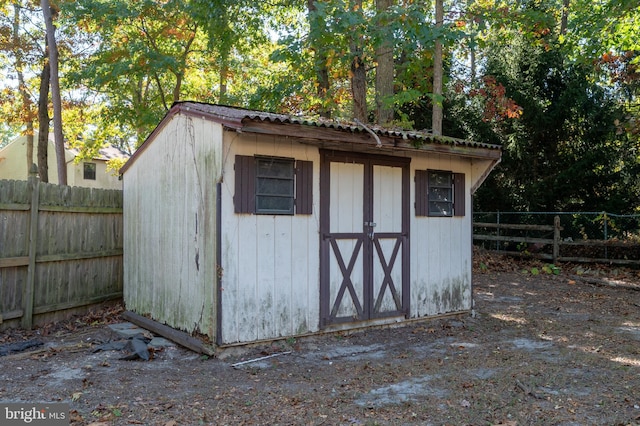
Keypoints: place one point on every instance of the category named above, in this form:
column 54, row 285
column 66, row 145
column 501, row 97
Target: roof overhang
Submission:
column 327, row 134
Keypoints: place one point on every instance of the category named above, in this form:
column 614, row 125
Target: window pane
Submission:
column 270, row 186
column 274, row 185
column 440, row 194
column 440, row 209
column 442, row 179
column 275, row 168
column 265, row 204
column 90, row 171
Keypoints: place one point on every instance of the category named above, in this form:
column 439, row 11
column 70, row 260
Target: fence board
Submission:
column 76, row 248
column 499, row 232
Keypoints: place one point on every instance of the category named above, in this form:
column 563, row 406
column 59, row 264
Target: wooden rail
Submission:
column 503, row 233
column 60, row 250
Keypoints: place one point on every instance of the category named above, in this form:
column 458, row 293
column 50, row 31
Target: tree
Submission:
column 384, row 53
column 358, row 70
column 27, row 105
column 555, row 121
column 43, row 120
column 317, row 28
column 55, row 92
column 437, row 74
column 142, row 64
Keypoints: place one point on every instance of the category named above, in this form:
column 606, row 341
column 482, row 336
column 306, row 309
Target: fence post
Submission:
column 498, row 231
column 27, row 293
column 556, row 238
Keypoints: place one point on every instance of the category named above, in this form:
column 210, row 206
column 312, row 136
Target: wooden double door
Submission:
column 364, row 232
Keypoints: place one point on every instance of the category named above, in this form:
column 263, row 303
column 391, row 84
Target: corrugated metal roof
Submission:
column 233, row 115
column 395, row 140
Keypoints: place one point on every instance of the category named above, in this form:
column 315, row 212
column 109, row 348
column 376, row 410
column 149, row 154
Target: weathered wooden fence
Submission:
column 546, row 242
column 60, row 250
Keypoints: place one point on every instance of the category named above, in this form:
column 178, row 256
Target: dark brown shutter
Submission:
column 458, row 194
column 422, row 193
column 244, row 199
column 304, row 187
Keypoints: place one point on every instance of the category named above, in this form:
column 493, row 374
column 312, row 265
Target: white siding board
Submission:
column 285, row 238
column 387, row 215
column 440, row 249
column 387, row 199
column 266, row 291
column 346, row 216
column 269, row 289
column 170, row 226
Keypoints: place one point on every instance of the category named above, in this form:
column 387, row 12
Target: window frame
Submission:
column 424, row 193
column 440, row 195
column 246, row 171
column 89, row 174
column 263, row 178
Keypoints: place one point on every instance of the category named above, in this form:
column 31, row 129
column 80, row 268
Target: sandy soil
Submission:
column 546, row 346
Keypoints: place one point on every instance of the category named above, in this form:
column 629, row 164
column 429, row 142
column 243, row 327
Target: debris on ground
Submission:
column 16, row 347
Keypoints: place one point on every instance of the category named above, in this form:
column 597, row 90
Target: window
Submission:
column 273, row 185
column 439, row 193
column 90, row 171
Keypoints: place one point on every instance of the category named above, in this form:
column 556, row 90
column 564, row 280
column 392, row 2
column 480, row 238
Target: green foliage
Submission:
column 561, row 100
column 566, row 142
column 549, row 269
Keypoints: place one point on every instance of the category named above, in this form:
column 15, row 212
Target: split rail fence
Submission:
column 60, row 250
column 557, row 243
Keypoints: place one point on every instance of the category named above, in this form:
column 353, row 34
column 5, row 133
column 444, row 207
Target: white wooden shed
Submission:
column 246, row 226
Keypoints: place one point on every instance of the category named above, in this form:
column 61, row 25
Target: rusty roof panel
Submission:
column 234, row 117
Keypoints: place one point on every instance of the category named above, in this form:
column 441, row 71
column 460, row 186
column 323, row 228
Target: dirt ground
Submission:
column 546, row 346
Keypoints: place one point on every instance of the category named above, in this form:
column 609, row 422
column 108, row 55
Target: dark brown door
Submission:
column 364, row 260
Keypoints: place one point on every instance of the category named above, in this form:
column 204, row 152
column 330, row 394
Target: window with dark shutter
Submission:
column 272, row 185
column 439, row 193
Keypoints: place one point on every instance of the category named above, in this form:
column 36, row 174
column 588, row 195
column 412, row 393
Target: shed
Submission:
column 249, row 226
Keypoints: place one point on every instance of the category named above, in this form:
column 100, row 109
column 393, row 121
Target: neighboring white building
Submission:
column 88, row 173
column 247, row 226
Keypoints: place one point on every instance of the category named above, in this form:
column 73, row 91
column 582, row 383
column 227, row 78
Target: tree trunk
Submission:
column 358, row 71
column 43, row 120
column 384, row 70
column 565, row 17
column 22, row 87
column 436, row 118
column 55, row 93
column 320, row 60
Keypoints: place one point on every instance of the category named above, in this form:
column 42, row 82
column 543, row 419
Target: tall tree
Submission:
column 358, row 66
column 55, row 92
column 437, row 73
column 43, row 120
column 27, row 104
column 385, row 63
column 317, row 33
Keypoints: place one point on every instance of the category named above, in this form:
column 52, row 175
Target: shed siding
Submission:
column 441, row 249
column 270, row 282
column 170, row 217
